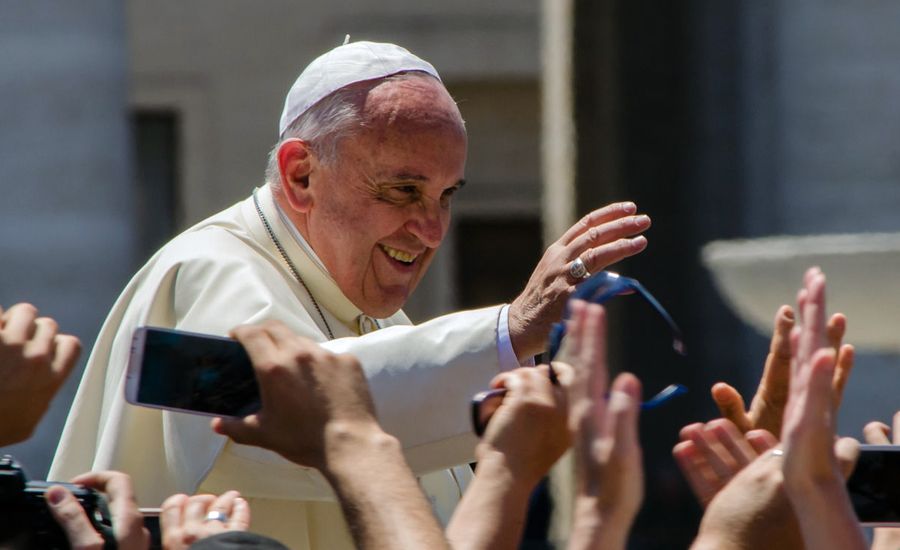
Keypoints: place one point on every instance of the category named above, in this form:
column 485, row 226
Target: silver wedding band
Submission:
column 215, row 515
column 577, row 270
column 777, row 452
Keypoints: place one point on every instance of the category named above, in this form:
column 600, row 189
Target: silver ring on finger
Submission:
column 215, row 515
column 577, row 270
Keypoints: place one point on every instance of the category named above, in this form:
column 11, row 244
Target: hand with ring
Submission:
column 599, row 239
column 184, row 520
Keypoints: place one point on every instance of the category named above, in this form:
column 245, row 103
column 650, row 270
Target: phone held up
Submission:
column 874, row 486
column 189, row 372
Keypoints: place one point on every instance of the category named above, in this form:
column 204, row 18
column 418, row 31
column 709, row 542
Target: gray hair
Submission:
column 324, row 125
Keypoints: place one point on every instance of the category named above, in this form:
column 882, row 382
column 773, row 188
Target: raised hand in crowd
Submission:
column 317, row 411
column 879, row 433
column 767, row 407
column 127, row 521
column 599, row 239
column 525, row 437
column 813, row 477
column 34, row 361
column 608, row 470
column 184, row 520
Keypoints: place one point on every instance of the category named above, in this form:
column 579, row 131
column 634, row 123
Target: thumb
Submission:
column 731, row 405
column 240, row 430
column 846, row 449
column 69, row 514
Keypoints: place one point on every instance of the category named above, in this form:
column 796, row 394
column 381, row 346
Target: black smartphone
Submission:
column 190, row 372
column 874, row 486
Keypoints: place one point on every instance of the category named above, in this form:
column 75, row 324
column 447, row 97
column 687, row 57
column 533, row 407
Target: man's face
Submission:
column 381, row 209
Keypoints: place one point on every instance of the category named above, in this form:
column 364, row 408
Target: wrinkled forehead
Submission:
column 411, row 102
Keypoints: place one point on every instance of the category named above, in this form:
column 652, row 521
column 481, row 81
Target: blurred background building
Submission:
column 124, row 123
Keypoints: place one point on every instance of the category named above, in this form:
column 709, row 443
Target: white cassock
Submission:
column 224, row 272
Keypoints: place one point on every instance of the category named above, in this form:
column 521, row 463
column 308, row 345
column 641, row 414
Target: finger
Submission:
column 224, row 504
column 128, row 522
column 258, row 343
column 777, row 371
column 685, row 432
column 732, row 440
column 240, row 430
column 715, row 455
column 599, row 258
column 70, row 515
column 845, row 360
column 835, row 330
column 877, row 433
column 846, row 449
column 761, row 440
column 731, row 405
column 576, row 330
column 68, row 348
column 819, row 399
column 594, row 350
column 171, row 514
column 19, row 324
column 623, row 409
column 699, row 475
column 813, row 337
column 42, row 343
column 607, row 233
column 240, row 515
column 282, row 335
column 197, row 507
column 596, row 217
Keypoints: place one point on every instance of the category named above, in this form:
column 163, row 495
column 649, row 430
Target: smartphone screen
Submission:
column 185, row 371
column 874, row 486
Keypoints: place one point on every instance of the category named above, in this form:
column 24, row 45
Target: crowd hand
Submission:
column 184, row 520
column 710, row 455
column 767, row 407
column 599, row 239
column 813, row 476
column 34, row 361
column 530, row 428
column 300, row 380
column 607, row 452
column 127, row 521
column 878, row 433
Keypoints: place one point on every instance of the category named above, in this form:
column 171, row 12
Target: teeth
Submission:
column 399, row 255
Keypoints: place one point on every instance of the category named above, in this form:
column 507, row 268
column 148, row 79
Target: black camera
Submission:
column 25, row 521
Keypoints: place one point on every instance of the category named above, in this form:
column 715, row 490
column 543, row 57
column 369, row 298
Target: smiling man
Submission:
column 371, row 150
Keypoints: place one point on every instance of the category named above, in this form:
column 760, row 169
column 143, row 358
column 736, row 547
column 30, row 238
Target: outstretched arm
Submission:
column 317, row 411
column 609, row 475
column 813, row 479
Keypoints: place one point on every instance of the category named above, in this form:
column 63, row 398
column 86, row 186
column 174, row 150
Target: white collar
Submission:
column 292, row 229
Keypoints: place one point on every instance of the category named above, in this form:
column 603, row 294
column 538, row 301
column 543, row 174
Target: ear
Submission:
column 295, row 165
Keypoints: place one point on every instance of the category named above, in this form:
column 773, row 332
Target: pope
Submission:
column 356, row 202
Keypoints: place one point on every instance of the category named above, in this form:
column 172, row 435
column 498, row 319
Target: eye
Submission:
column 447, row 196
column 400, row 194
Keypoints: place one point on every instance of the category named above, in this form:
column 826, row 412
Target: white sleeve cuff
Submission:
column 506, row 354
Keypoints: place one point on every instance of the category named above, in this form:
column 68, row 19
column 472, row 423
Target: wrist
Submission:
column 503, row 472
column 350, row 445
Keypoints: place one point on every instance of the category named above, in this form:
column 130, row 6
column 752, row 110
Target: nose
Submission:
column 429, row 224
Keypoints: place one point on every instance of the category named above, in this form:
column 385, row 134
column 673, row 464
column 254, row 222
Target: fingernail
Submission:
column 629, row 207
column 642, row 219
column 55, row 494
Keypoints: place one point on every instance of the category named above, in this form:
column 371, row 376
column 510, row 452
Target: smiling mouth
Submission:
column 399, row 255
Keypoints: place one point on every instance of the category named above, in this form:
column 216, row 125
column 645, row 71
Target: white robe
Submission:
column 223, row 272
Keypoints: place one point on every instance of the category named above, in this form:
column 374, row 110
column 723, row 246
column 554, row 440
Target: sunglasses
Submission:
column 598, row 289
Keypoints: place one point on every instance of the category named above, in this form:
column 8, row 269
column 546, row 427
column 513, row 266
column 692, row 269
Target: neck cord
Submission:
column 290, row 264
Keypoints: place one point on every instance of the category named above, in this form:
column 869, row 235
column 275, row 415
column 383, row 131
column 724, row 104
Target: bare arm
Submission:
column 813, row 479
column 526, row 435
column 317, row 411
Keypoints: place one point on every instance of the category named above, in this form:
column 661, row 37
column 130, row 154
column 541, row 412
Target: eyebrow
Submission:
column 403, row 177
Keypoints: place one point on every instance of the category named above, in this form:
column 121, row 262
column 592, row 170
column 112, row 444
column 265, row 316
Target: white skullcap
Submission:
column 345, row 65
